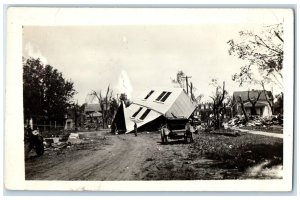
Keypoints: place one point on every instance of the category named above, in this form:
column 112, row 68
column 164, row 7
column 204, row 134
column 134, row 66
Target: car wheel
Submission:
column 166, row 139
column 39, row 149
column 188, row 138
column 162, row 139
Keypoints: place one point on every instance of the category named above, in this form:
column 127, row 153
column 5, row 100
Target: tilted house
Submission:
column 152, row 107
column 262, row 106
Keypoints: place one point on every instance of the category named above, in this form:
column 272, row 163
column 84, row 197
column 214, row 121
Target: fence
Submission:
column 48, row 127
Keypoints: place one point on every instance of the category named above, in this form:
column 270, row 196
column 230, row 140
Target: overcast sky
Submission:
column 132, row 58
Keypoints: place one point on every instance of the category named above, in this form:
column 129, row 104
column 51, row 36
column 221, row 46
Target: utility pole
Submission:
column 187, row 83
column 75, row 115
column 192, row 91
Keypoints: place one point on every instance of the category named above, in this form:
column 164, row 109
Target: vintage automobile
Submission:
column 177, row 128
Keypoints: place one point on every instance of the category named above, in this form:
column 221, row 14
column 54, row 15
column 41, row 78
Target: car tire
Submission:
column 188, row 138
column 162, row 138
column 39, row 146
column 39, row 149
column 166, row 139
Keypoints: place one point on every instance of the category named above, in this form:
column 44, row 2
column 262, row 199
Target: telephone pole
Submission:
column 187, row 83
column 191, row 91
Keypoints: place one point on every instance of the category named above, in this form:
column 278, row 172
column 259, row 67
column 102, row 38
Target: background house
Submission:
column 92, row 112
column 263, row 105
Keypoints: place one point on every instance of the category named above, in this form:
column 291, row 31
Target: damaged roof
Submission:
column 153, row 103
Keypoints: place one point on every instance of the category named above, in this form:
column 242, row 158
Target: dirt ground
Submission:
column 126, row 157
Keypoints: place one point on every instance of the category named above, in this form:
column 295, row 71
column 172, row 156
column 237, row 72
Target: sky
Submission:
column 134, row 58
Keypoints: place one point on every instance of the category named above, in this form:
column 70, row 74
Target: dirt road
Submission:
column 119, row 157
column 126, row 157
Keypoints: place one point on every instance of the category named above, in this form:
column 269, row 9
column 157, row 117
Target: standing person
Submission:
column 135, row 129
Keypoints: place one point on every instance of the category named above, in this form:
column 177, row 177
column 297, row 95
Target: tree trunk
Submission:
column 217, row 125
column 253, row 110
column 253, row 102
column 243, row 109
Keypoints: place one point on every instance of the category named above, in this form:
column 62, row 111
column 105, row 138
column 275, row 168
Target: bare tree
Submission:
column 104, row 103
column 199, row 98
column 253, row 100
column 231, row 103
column 218, row 106
column 179, row 79
column 183, row 80
column 268, row 98
column 241, row 102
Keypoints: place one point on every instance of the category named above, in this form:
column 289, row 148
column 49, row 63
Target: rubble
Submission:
column 239, row 121
column 74, row 141
column 74, row 136
column 200, row 127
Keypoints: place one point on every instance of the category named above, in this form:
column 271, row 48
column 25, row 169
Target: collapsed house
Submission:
column 150, row 110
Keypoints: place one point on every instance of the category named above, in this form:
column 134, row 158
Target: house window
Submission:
column 145, row 114
column 161, row 95
column 149, row 94
column 137, row 112
column 166, row 96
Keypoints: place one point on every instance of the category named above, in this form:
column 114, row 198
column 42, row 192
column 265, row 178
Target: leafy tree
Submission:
column 46, row 93
column 263, row 51
column 75, row 112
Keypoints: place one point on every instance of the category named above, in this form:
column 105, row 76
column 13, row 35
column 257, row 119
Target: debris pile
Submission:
column 90, row 126
column 240, row 121
column 70, row 140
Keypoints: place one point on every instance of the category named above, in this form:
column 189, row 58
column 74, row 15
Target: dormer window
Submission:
column 166, row 96
column 163, row 96
column 149, row 94
column 160, row 96
column 145, row 114
column 137, row 112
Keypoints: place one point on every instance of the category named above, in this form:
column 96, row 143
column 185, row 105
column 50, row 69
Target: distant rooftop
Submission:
column 253, row 94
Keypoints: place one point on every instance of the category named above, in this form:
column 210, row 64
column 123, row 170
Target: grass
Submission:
column 240, row 152
column 265, row 129
column 216, row 155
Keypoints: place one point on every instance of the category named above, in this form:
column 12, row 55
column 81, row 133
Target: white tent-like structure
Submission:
column 155, row 103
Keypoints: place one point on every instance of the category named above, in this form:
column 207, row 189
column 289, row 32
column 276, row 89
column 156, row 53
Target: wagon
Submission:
column 177, row 128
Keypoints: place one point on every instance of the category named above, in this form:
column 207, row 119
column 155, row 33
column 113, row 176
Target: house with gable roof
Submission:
column 152, row 107
column 262, row 106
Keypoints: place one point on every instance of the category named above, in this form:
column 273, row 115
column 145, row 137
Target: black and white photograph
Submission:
column 147, row 95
